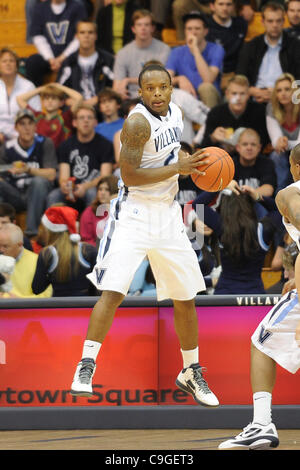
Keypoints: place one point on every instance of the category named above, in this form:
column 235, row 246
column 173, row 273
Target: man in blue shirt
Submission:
column 197, row 66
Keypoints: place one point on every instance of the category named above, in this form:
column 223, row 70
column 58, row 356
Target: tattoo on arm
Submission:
column 135, row 133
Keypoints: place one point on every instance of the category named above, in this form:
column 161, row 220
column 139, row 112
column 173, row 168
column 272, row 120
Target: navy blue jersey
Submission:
column 59, row 30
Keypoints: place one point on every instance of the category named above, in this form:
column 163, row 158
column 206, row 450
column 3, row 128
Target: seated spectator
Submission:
column 109, row 106
column 114, row 24
column 94, row 217
column 229, row 31
column 183, row 7
column 86, row 157
column 283, row 124
column 8, row 216
column 11, row 244
column 252, row 169
column 244, row 241
column 33, row 170
column 132, row 57
column 143, row 283
column 89, row 69
column 275, row 47
column 237, row 112
column 197, row 66
column 53, row 34
column 11, row 85
column 52, row 121
column 65, row 261
column 293, row 14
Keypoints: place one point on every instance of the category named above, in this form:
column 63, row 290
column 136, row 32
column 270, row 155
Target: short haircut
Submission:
column 273, row 6
column 142, row 13
column 51, row 90
column 84, row 106
column 150, row 68
column 295, row 154
column 249, row 130
column 241, row 80
column 14, row 231
column 7, row 210
column 110, row 94
column 195, row 15
column 86, row 22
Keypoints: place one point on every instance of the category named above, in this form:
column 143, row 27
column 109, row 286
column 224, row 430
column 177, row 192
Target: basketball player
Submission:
column 146, row 221
column 277, row 337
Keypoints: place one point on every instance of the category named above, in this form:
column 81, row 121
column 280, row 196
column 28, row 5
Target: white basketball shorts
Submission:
column 275, row 335
column 139, row 228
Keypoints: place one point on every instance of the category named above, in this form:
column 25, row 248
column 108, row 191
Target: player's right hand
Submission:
column 188, row 164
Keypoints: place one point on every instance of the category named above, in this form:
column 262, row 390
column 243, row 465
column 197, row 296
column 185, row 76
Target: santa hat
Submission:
column 62, row 219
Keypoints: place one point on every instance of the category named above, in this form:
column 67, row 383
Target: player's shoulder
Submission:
column 136, row 127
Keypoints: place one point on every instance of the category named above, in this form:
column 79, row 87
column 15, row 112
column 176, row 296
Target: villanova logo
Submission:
column 58, row 31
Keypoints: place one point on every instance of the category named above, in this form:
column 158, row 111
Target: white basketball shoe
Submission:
column 254, row 436
column 82, row 381
column 191, row 381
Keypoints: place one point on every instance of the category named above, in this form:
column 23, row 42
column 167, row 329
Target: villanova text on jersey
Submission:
column 167, row 137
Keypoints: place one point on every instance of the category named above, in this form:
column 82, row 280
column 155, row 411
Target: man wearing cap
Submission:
column 197, row 66
column 32, row 170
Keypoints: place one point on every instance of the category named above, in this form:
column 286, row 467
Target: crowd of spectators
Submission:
column 236, row 79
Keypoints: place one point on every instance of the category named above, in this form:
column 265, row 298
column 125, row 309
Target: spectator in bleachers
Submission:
column 52, row 121
column 283, row 124
column 196, row 67
column 132, row 57
column 180, row 8
column 89, row 69
column 65, row 261
column 33, row 170
column 225, row 120
column 109, row 106
column 293, row 14
column 85, row 156
column 229, row 31
column 244, row 241
column 253, row 171
column 94, row 217
column 267, row 56
column 8, row 215
column 11, row 244
column 114, row 24
column 11, row 85
column 53, row 33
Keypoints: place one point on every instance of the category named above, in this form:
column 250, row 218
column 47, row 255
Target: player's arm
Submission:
column 288, row 203
column 135, row 133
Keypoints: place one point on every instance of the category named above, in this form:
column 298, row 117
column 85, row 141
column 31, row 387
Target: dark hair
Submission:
column 7, row 210
column 239, row 222
column 150, row 68
column 274, row 6
column 110, row 94
column 195, row 15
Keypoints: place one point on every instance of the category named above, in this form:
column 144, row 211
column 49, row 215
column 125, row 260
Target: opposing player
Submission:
column 277, row 337
column 146, row 221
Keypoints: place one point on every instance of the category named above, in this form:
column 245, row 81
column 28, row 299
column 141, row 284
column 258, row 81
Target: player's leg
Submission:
column 100, row 322
column 190, row 379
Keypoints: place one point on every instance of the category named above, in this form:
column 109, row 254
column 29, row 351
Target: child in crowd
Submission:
column 94, row 217
column 109, row 107
column 53, row 121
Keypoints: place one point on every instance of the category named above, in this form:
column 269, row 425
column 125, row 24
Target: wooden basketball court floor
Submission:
column 131, row 439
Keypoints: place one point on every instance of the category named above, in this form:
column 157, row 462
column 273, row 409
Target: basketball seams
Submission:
column 219, row 176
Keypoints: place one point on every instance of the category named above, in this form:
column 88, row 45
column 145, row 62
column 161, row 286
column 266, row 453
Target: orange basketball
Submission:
column 218, row 172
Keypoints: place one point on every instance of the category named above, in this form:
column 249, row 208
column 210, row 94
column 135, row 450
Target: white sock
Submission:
column 91, row 349
column 190, row 357
column 262, row 408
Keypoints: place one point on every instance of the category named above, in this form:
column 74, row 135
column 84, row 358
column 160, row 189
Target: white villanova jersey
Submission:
column 161, row 149
column 291, row 229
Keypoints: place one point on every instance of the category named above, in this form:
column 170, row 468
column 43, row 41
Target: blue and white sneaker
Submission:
column 82, row 382
column 254, row 436
column 191, row 380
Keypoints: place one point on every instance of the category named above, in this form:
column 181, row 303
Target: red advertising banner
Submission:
column 138, row 362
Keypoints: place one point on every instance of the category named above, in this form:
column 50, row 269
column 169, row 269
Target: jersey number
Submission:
column 169, row 158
